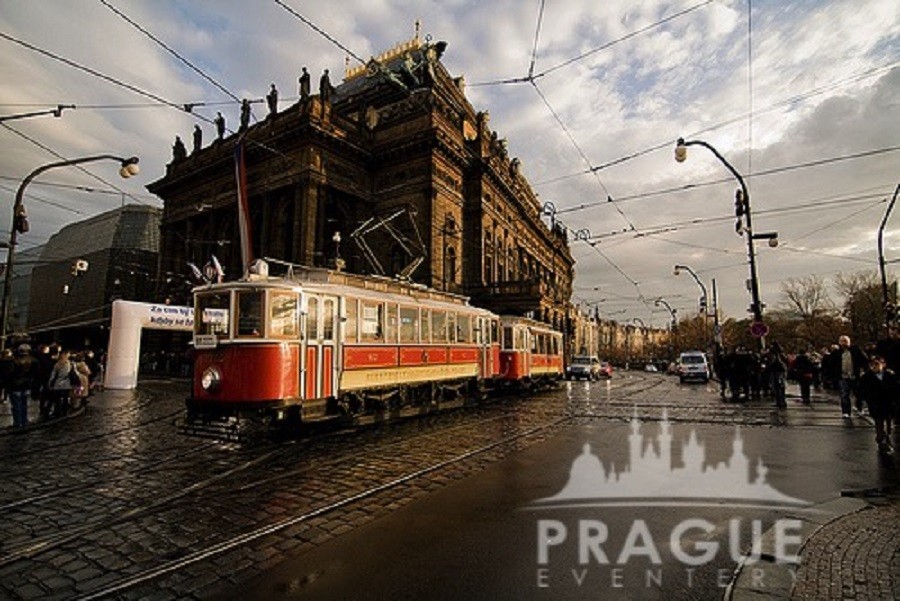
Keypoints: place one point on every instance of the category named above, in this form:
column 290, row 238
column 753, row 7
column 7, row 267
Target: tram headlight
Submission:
column 210, row 379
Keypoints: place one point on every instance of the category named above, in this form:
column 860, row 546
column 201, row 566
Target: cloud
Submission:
column 689, row 75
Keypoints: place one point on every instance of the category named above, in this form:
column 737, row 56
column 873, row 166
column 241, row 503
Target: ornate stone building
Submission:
column 393, row 172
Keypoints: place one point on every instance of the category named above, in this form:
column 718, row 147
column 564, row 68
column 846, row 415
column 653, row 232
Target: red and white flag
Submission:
column 240, row 172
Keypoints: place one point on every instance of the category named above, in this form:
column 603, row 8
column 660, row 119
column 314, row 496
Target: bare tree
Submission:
column 862, row 303
column 807, row 297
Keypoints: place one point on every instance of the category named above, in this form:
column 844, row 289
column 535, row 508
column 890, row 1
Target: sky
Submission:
column 802, row 98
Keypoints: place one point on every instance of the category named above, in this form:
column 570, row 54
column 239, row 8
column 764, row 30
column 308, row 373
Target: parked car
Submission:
column 692, row 365
column 583, row 366
column 606, row 369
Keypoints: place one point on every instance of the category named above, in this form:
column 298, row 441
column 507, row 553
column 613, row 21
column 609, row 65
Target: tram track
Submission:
column 257, row 533
column 220, row 494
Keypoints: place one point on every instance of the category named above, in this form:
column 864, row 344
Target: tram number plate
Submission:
column 202, row 341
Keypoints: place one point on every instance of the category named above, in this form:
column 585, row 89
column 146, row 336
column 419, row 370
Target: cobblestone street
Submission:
column 116, row 503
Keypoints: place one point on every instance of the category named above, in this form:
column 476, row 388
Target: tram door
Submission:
column 318, row 347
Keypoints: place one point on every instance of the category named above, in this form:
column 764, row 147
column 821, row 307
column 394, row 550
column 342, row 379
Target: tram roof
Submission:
column 344, row 284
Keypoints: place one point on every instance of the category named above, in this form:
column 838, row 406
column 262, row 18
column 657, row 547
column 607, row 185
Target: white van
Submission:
column 692, row 365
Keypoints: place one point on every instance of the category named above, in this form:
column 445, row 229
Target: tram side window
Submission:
column 211, row 316
column 439, row 326
column 391, row 329
column 554, row 345
column 495, row 332
column 426, row 325
column 521, row 334
column 249, row 314
column 350, row 326
column 409, row 325
column 451, row 327
column 328, row 319
column 464, row 328
column 283, row 315
column 312, row 319
column 372, row 322
column 508, row 341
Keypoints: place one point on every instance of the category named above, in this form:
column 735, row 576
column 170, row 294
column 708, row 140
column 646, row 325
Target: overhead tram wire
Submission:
column 537, row 32
column 781, row 103
column 79, row 188
column 531, row 77
column 809, row 205
column 584, row 157
column 40, row 200
column 59, row 156
column 319, row 30
column 774, row 170
column 171, row 51
column 132, row 88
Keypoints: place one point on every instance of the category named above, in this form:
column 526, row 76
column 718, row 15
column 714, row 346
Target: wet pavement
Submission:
column 115, row 503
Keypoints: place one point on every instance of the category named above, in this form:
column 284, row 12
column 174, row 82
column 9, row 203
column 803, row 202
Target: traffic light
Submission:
column 739, row 204
column 20, row 220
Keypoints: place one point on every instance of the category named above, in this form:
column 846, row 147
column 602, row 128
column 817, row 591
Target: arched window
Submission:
column 450, row 265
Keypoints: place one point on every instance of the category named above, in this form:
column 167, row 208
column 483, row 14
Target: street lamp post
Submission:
column 704, row 299
column 673, row 325
column 20, row 225
column 742, row 209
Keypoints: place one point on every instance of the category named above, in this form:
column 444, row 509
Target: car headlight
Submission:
column 210, row 379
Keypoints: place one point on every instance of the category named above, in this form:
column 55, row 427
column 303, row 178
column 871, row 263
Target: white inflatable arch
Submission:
column 128, row 320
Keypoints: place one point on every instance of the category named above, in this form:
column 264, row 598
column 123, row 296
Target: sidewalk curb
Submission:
column 769, row 579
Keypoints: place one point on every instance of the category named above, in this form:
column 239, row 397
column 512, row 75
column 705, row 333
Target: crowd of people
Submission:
column 57, row 379
column 866, row 381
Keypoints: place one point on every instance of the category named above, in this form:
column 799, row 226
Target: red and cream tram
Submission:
column 530, row 352
column 319, row 344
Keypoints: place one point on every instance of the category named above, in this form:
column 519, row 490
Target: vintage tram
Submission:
column 318, row 345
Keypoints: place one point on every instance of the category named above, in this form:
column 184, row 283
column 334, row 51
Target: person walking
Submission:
column 20, row 382
column 776, row 369
column 847, row 365
column 81, row 390
column 879, row 387
column 805, row 370
column 60, row 384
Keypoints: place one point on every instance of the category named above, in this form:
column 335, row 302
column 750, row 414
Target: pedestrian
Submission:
column 879, row 387
column 721, row 363
column 80, row 390
column 805, row 370
column 6, row 369
column 60, row 384
column 21, row 381
column 776, row 370
column 847, row 365
column 46, row 358
column 93, row 366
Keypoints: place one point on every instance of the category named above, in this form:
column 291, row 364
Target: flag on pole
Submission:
column 240, row 172
column 198, row 275
column 220, row 272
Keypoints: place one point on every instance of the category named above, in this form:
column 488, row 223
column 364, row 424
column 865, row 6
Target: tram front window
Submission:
column 211, row 315
column 249, row 314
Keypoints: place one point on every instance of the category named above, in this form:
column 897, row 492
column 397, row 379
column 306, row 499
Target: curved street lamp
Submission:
column 129, row 168
column 742, row 208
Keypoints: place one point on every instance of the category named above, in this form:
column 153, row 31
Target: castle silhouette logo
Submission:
column 650, row 479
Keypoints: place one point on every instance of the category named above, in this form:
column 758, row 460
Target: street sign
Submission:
column 758, row 329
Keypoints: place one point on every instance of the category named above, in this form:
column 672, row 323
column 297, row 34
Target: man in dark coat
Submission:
column 879, row 388
column 21, row 381
column 849, row 363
